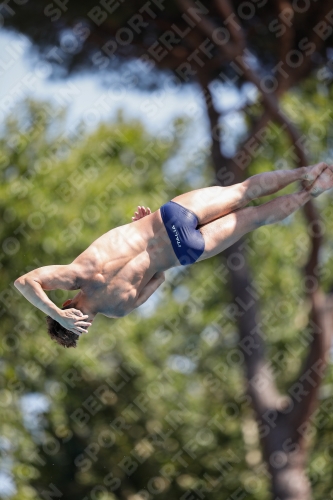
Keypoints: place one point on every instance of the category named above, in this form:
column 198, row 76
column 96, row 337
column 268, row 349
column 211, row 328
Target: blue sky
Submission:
column 22, row 74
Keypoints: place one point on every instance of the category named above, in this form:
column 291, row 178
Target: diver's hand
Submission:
column 142, row 212
column 73, row 320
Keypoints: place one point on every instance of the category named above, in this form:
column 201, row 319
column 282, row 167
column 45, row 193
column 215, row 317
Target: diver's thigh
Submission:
column 225, row 231
column 213, row 202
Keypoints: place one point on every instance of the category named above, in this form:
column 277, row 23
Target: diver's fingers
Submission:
column 82, row 323
column 78, row 330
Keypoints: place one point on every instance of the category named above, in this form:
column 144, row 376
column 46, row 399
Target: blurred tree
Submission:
column 153, row 404
column 287, row 39
column 273, row 46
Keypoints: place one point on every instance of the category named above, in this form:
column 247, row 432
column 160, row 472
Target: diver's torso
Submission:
column 120, row 263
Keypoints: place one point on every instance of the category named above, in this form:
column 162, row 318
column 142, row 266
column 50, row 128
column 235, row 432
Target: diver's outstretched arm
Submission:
column 33, row 284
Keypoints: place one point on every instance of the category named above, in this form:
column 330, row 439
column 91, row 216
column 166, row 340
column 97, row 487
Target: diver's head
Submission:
column 64, row 337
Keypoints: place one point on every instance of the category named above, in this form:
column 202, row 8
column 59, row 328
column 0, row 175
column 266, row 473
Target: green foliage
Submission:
column 153, row 404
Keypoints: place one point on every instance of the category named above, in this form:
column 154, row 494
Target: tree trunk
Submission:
column 291, row 483
column 283, row 447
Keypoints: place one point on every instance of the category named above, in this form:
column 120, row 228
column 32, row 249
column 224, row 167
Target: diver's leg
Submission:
column 225, row 231
column 213, row 202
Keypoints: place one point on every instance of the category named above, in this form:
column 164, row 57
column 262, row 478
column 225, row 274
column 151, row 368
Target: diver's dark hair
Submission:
column 64, row 337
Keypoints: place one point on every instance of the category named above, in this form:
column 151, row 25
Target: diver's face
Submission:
column 67, row 302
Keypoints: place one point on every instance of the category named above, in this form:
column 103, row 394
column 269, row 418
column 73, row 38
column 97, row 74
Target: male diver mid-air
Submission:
column 122, row 268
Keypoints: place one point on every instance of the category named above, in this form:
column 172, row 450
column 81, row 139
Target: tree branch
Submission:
column 208, row 28
column 269, row 99
column 236, row 32
column 296, row 74
column 286, row 15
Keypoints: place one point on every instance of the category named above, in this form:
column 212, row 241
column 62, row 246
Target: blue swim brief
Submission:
column 181, row 225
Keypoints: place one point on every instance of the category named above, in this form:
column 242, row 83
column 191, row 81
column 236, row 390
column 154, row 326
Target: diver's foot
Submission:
column 311, row 173
column 323, row 183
